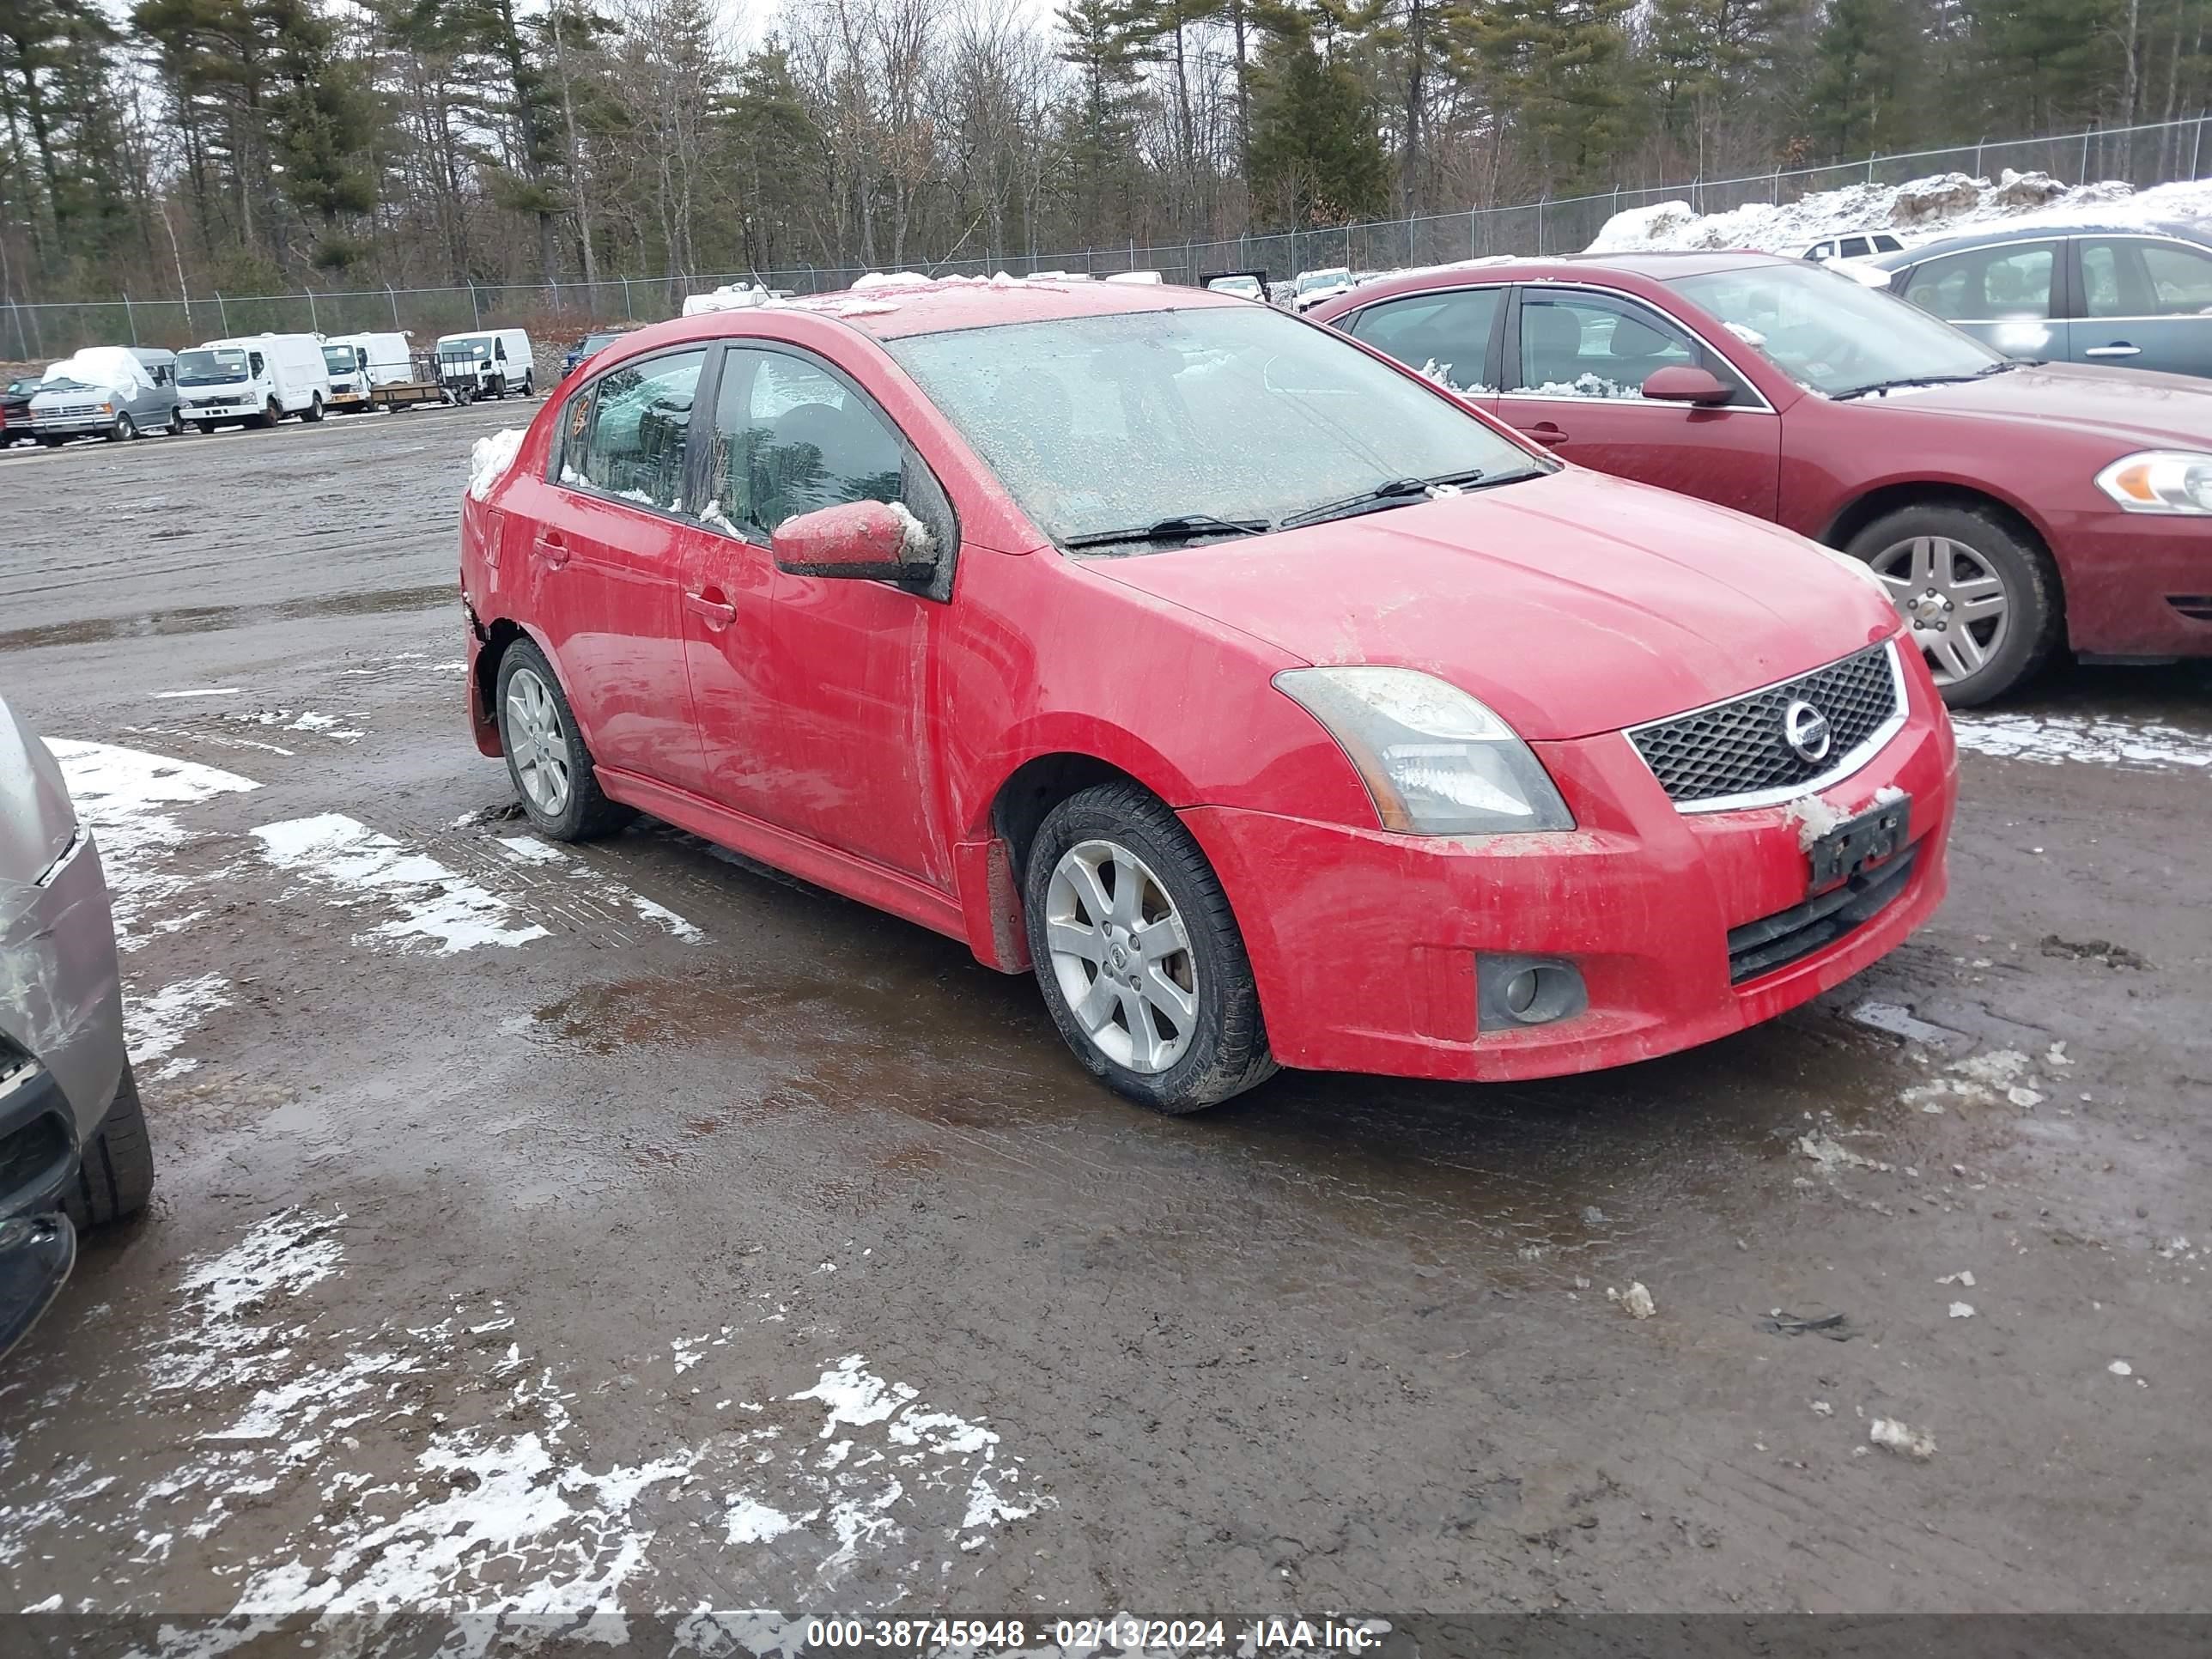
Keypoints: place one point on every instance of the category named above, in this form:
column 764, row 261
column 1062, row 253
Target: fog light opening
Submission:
column 1527, row 991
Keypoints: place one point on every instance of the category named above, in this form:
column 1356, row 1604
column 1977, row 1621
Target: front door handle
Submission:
column 1547, row 433
column 550, row 547
column 711, row 608
column 2118, row 349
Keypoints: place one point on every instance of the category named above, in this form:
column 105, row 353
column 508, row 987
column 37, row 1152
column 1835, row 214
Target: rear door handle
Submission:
column 2118, row 349
column 550, row 547
column 1545, row 433
column 717, row 612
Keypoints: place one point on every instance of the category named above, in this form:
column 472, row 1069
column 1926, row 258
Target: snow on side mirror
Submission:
column 862, row 541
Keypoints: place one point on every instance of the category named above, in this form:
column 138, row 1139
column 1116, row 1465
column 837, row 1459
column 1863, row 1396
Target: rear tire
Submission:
column 116, row 1177
column 176, row 427
column 1937, row 558
column 547, row 760
column 315, row 408
column 1168, row 933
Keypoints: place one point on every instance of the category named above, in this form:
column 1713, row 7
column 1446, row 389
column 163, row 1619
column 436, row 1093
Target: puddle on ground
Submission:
column 209, row 619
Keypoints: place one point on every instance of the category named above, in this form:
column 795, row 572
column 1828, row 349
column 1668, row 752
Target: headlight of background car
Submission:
column 1435, row 761
column 2161, row 481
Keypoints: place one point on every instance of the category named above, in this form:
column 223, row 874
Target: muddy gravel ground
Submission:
column 631, row 1226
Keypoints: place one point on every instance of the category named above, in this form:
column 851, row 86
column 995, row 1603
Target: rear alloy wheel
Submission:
column 1137, row 954
column 552, row 770
column 1980, row 600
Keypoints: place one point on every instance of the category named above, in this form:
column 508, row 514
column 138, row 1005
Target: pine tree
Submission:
column 1558, row 71
column 1865, row 79
column 1315, row 154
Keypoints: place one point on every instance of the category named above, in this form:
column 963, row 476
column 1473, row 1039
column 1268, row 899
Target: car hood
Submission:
column 37, row 822
column 2128, row 407
column 1571, row 604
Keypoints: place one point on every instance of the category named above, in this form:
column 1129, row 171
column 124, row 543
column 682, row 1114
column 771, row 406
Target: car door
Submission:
column 1576, row 361
column 1454, row 334
column 2003, row 294
column 2142, row 302
column 601, row 542
column 824, row 727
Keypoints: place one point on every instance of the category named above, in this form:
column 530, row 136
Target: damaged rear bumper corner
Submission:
column 61, row 996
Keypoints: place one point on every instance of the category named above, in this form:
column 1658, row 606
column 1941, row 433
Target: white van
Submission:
column 487, row 362
column 257, row 379
column 359, row 363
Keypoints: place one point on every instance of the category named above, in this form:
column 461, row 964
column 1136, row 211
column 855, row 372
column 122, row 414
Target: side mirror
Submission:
column 1679, row 383
column 865, row 541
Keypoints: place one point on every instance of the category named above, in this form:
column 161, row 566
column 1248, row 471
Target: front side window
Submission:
column 1095, row 424
column 259, row 367
column 2127, row 276
column 1445, row 336
column 1588, row 346
column 790, row 437
column 1827, row 331
column 2007, row 284
column 638, row 423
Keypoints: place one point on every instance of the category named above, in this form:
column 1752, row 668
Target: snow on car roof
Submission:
column 891, row 305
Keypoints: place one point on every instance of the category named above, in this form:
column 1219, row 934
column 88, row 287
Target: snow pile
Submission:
column 490, row 458
column 112, row 368
column 1918, row 210
column 731, row 296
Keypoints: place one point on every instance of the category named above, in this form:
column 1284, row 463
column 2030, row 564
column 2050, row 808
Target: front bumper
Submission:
column 223, row 411
column 71, row 426
column 2124, row 572
column 61, row 998
column 1366, row 943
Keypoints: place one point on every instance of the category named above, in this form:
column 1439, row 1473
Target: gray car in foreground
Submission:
column 73, row 1146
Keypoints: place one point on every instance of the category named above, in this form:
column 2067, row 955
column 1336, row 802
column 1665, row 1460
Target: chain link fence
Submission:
column 2142, row 156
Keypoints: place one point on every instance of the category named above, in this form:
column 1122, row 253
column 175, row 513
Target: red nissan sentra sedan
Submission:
column 1270, row 706
column 2009, row 507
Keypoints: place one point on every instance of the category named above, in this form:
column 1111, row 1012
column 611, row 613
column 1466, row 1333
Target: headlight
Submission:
column 1435, row 761
column 2161, row 481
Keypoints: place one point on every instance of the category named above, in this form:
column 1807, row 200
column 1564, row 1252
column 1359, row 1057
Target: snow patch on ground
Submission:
column 121, row 794
column 360, row 869
column 154, row 1025
column 304, row 720
column 1921, row 209
column 2090, row 739
column 491, row 457
column 529, row 851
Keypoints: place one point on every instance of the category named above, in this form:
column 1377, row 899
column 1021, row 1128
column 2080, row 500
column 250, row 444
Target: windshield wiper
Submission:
column 1391, row 492
column 1184, row 527
column 1905, row 380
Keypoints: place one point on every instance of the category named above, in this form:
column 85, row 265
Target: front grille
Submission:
column 1737, row 747
column 2197, row 607
column 73, row 411
column 1760, row 947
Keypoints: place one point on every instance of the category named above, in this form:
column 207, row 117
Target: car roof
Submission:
column 892, row 309
column 1997, row 235
column 1651, row 267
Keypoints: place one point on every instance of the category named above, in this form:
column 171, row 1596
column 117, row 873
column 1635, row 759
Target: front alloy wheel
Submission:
column 1953, row 597
column 537, row 743
column 1121, row 956
column 1979, row 594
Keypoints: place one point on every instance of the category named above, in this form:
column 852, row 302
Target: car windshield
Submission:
column 338, row 359
column 478, row 349
column 202, row 367
column 1230, row 414
column 1833, row 333
column 1308, row 281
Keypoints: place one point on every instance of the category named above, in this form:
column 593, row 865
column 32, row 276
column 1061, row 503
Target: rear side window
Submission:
column 1990, row 284
column 1443, row 335
column 1855, row 247
column 634, row 430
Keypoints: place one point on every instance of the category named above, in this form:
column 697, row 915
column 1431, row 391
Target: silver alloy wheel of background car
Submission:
column 1953, row 597
column 1121, row 956
column 536, row 742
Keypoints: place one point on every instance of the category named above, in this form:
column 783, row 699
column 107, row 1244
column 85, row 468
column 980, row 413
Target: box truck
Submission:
column 257, row 379
column 359, row 363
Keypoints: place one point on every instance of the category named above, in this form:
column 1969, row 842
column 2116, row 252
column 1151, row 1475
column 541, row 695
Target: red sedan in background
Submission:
column 1269, row 704
column 2008, row 505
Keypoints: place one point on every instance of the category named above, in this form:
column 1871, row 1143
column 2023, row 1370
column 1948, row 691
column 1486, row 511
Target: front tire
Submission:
column 116, row 1176
column 123, row 431
column 1982, row 600
column 547, row 760
column 206, row 428
column 1138, row 955
column 271, row 415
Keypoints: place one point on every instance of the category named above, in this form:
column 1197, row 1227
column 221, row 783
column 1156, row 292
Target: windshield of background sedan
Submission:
column 202, row 367
column 1827, row 331
column 1234, row 413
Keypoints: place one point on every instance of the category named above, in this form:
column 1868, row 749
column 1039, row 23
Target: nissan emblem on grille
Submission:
column 1805, row 729
column 1778, row 739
